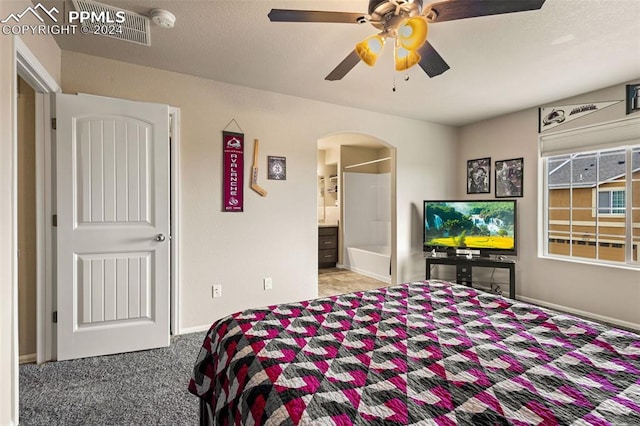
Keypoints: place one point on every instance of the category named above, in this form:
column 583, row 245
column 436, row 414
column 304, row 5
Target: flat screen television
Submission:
column 470, row 227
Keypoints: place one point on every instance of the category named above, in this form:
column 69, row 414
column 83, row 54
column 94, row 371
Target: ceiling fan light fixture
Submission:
column 407, row 22
column 412, row 32
column 370, row 49
column 405, row 58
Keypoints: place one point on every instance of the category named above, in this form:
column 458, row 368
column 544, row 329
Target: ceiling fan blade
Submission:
column 287, row 15
column 460, row 9
column 431, row 61
column 344, row 67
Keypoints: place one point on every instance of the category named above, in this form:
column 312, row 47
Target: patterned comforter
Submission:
column 428, row 353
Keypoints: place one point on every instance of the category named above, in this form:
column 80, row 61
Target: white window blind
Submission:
column 603, row 136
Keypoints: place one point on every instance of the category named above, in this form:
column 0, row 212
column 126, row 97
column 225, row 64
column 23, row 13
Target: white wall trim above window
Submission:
column 589, row 138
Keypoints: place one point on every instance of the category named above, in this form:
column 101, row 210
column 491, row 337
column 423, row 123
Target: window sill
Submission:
column 626, row 266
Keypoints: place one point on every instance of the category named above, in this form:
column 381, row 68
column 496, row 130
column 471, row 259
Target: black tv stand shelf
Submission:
column 465, row 265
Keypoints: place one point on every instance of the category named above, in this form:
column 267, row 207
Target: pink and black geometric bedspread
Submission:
column 428, row 353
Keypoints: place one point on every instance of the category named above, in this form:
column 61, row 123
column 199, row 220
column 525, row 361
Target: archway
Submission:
column 357, row 193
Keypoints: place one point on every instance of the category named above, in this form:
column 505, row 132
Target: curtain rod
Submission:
column 367, row 162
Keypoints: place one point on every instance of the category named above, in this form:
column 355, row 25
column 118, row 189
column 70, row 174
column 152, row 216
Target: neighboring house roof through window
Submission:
column 584, row 172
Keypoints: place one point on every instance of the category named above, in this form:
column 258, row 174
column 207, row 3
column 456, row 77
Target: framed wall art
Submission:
column 509, row 174
column 479, row 176
column 276, row 167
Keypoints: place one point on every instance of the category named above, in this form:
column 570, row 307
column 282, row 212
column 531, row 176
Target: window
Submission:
column 592, row 197
column 611, row 202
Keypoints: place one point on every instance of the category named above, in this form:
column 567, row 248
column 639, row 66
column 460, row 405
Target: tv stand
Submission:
column 464, row 267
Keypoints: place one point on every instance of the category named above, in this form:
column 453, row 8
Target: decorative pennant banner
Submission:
column 551, row 117
column 232, row 171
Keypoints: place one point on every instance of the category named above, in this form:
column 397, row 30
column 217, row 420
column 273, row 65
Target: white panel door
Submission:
column 112, row 184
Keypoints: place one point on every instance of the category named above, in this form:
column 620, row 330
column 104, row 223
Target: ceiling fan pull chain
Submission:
column 394, row 81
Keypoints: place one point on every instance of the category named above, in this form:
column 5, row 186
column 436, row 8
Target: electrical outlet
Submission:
column 216, row 290
column 268, row 284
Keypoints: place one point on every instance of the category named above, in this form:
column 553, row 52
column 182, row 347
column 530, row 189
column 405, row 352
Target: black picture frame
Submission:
column 479, row 176
column 633, row 98
column 509, row 178
column 276, row 167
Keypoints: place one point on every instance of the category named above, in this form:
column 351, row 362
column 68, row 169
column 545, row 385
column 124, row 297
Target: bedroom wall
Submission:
column 275, row 236
column 601, row 292
column 48, row 53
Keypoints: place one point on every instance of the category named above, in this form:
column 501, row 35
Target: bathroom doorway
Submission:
column 357, row 194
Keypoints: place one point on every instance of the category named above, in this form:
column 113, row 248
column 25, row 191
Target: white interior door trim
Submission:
column 44, row 232
column 174, row 195
column 33, row 72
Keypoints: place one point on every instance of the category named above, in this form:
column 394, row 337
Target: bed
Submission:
column 427, row 353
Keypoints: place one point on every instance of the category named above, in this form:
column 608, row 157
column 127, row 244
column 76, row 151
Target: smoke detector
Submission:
column 163, row 18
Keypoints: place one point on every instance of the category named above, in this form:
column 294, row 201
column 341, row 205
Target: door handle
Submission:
column 160, row 237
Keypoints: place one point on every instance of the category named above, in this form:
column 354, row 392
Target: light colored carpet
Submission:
column 137, row 388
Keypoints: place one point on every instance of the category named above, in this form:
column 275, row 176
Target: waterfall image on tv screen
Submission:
column 488, row 226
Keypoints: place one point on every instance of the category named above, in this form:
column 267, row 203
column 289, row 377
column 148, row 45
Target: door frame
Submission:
column 393, row 244
column 25, row 64
column 174, row 220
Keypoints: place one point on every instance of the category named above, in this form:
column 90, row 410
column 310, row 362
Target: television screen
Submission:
column 487, row 226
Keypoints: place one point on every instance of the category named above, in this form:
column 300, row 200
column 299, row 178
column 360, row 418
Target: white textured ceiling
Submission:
column 499, row 64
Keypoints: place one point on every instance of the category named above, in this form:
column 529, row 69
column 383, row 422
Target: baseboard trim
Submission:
column 578, row 312
column 27, row 359
column 196, row 329
column 384, row 279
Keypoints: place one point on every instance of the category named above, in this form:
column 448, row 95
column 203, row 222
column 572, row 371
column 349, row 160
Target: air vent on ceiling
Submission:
column 135, row 28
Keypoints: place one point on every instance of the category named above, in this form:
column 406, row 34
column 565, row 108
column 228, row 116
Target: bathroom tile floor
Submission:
column 332, row 281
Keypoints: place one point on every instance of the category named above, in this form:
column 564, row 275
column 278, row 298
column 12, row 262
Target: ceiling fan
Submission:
column 405, row 21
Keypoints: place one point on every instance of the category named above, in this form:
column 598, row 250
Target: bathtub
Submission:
column 370, row 260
